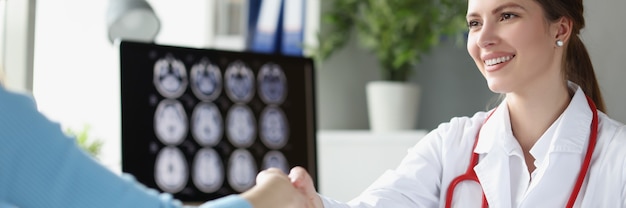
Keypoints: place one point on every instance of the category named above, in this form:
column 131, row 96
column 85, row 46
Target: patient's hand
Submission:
column 273, row 190
column 303, row 182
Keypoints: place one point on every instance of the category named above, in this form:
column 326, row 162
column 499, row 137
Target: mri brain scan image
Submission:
column 170, row 77
column 170, row 122
column 208, row 170
column 274, row 128
column 272, row 84
column 206, row 124
column 206, row 80
column 275, row 159
column 241, row 126
column 170, row 171
column 201, row 123
column 239, row 82
column 242, row 170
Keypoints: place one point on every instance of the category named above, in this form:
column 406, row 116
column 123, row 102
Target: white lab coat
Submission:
column 422, row 178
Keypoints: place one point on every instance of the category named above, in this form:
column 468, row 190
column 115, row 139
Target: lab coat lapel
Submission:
column 492, row 169
column 559, row 170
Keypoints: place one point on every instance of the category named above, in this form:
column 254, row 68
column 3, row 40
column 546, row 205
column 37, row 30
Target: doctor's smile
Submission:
column 499, row 60
column 493, row 64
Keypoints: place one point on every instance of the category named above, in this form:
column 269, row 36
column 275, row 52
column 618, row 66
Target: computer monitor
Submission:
column 201, row 123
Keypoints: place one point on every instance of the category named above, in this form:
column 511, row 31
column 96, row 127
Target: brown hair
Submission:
column 578, row 67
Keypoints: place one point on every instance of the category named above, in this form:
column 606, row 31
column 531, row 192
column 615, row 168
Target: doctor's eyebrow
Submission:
column 499, row 9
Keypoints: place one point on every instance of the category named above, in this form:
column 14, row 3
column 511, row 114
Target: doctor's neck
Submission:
column 532, row 113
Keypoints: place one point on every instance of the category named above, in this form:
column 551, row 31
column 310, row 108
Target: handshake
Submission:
column 276, row 189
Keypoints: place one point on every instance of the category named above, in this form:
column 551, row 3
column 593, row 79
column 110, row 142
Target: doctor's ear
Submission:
column 562, row 29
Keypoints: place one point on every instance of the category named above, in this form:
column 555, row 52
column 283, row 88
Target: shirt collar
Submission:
column 493, row 128
column 569, row 133
column 572, row 129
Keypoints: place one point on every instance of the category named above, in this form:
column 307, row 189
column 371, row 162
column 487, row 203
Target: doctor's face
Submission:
column 511, row 43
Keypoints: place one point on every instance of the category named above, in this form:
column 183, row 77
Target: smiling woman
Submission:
column 521, row 153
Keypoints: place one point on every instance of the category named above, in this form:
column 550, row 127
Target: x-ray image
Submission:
column 206, row 80
column 272, row 84
column 206, row 124
column 274, row 128
column 170, row 171
column 275, row 159
column 170, row 77
column 170, row 122
column 208, row 170
column 241, row 126
column 202, row 123
column 239, row 82
column 242, row 170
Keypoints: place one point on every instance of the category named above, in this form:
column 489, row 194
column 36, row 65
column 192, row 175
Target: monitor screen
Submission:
column 201, row 123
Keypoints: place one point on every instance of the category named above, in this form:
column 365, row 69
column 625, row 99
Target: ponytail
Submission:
column 578, row 69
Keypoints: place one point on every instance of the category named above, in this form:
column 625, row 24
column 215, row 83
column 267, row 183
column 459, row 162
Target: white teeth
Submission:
column 494, row 61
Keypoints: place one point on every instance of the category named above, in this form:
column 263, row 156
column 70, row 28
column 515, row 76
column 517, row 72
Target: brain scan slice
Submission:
column 242, row 170
column 206, row 80
column 170, row 122
column 207, row 125
column 274, row 128
column 239, row 82
column 170, row 77
column 241, row 126
column 272, row 84
column 170, row 171
column 208, row 170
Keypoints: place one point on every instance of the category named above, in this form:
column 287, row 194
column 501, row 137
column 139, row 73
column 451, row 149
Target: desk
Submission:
column 350, row 160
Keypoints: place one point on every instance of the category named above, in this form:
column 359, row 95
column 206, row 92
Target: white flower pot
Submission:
column 392, row 106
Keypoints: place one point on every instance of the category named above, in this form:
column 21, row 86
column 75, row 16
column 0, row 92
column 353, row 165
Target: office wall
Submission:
column 451, row 84
column 604, row 38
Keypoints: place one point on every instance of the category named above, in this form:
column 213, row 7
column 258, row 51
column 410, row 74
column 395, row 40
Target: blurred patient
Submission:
column 41, row 167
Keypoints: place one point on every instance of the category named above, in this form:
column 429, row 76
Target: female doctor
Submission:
column 547, row 144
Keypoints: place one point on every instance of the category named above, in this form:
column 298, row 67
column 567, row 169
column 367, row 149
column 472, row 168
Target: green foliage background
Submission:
column 92, row 146
column 398, row 32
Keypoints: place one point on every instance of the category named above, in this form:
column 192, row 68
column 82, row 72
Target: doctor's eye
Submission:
column 507, row 16
column 472, row 24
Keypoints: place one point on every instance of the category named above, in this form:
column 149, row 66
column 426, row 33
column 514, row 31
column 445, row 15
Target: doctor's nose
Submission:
column 487, row 37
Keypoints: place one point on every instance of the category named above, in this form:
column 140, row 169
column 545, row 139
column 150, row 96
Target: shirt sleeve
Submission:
column 41, row 167
column 417, row 181
column 231, row 201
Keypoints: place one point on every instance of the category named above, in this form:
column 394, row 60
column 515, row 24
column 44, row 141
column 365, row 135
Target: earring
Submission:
column 559, row 43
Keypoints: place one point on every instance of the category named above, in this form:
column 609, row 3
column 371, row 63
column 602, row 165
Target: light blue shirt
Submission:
column 41, row 167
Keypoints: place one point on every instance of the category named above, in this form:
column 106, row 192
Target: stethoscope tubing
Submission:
column 470, row 174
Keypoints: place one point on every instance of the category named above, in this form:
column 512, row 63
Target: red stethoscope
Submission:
column 470, row 174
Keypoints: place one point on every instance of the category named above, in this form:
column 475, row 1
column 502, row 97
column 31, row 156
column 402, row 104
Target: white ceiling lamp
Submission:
column 132, row 20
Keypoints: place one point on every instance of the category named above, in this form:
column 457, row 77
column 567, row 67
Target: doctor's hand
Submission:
column 301, row 179
column 274, row 189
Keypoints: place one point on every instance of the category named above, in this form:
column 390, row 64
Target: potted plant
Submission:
column 399, row 33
